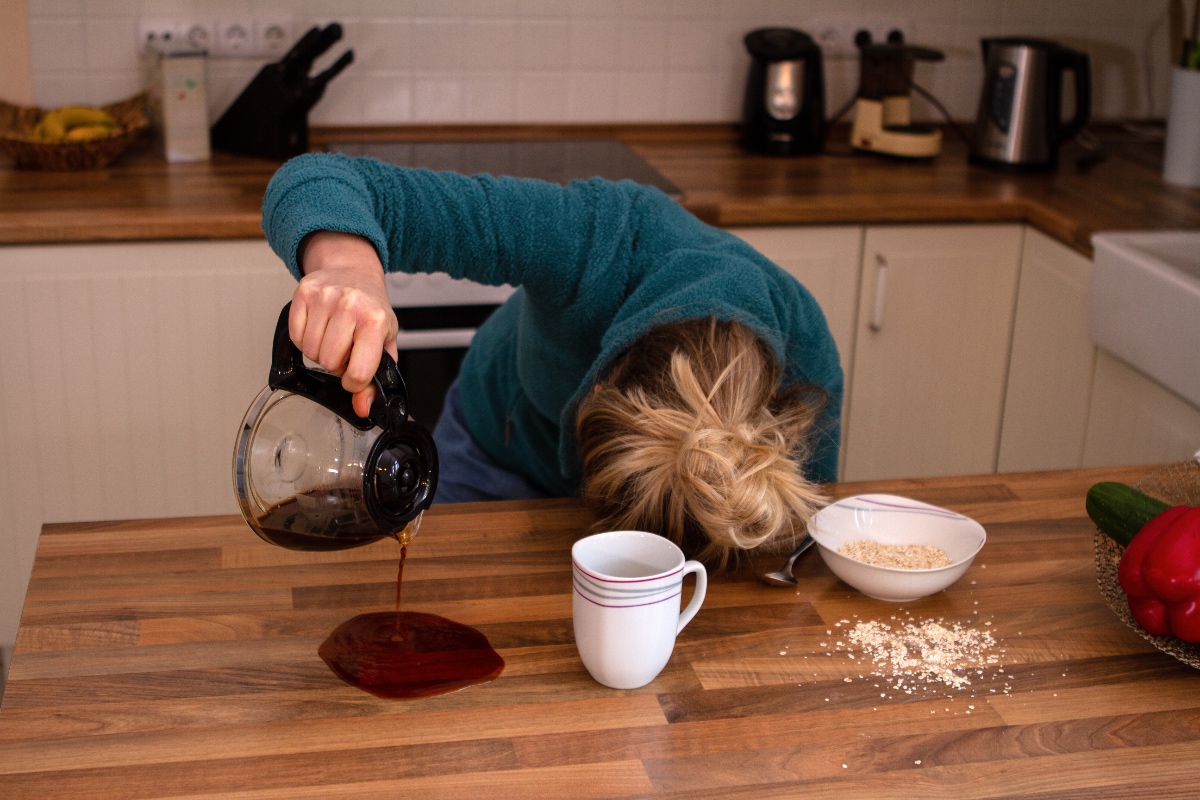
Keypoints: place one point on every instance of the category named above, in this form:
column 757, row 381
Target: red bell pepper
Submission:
column 1160, row 573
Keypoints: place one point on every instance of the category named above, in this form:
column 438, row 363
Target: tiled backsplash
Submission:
column 505, row 61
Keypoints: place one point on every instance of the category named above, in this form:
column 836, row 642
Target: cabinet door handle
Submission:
column 881, row 273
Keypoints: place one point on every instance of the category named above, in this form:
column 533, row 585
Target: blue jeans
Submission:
column 466, row 474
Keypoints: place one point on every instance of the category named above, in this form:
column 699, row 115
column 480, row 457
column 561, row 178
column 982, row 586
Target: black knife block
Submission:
column 270, row 117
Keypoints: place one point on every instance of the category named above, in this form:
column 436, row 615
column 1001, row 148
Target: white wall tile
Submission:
column 542, row 96
column 595, row 43
column 382, row 45
column 543, row 44
column 437, row 97
column 488, row 44
column 592, row 96
column 449, row 61
column 694, row 44
column 337, row 107
column 51, row 90
column 108, row 40
column 387, row 98
column 57, row 45
column 641, row 96
column 488, row 97
column 641, row 42
column 54, row 8
column 437, row 44
column 690, row 95
column 111, row 87
column 111, row 8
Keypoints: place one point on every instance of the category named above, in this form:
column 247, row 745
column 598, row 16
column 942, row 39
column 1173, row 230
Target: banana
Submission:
column 81, row 132
column 74, row 116
column 50, row 128
column 58, row 124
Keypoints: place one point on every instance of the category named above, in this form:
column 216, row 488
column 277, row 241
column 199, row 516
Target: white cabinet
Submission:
column 126, row 370
column 826, row 261
column 1050, row 369
column 1134, row 420
column 931, row 350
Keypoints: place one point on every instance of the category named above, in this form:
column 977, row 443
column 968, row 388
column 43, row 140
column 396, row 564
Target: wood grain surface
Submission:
column 142, row 197
column 178, row 658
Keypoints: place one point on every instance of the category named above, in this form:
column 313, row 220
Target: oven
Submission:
column 438, row 317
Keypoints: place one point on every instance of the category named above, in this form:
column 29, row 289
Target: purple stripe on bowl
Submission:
column 934, row 511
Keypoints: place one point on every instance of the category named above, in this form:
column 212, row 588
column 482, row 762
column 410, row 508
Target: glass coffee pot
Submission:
column 310, row 474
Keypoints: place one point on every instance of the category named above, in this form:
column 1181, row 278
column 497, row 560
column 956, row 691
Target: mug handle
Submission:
column 697, row 596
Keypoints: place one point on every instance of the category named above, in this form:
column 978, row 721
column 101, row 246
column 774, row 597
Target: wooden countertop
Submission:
column 141, row 197
column 178, row 657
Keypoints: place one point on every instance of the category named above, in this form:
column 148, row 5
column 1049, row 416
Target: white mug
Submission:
column 625, row 604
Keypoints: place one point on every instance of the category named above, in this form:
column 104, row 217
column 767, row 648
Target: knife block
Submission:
column 270, row 117
column 265, row 120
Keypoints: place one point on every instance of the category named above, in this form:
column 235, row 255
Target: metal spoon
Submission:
column 784, row 576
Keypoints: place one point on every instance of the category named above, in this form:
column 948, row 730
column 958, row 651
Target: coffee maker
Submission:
column 1019, row 124
column 784, row 111
column 882, row 109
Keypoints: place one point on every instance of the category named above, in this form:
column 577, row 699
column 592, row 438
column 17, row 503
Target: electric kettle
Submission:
column 1019, row 124
column 310, row 474
column 784, row 110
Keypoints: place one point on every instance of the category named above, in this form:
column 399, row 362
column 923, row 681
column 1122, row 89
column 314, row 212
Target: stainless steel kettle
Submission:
column 1019, row 124
column 310, row 474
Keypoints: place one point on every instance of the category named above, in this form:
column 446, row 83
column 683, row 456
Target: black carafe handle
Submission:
column 1080, row 66
column 289, row 373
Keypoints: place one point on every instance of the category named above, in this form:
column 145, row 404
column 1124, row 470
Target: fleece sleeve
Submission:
column 490, row 230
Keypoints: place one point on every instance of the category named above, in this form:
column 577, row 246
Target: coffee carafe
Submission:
column 1019, row 124
column 310, row 474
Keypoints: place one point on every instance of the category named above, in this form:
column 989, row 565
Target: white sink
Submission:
column 1145, row 304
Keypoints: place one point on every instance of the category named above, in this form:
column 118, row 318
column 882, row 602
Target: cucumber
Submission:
column 1120, row 511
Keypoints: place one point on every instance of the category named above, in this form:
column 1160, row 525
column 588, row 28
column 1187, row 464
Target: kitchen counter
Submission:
column 178, row 657
column 141, row 197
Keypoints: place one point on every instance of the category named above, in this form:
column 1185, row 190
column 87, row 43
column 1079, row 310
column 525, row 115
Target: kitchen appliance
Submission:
column 882, row 110
column 439, row 315
column 1019, row 124
column 310, row 474
column 270, row 117
column 784, row 109
column 177, row 102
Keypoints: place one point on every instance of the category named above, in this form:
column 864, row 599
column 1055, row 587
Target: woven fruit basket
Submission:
column 1176, row 484
column 28, row 152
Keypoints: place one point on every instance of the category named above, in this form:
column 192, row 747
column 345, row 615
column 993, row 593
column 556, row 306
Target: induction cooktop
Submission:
column 556, row 160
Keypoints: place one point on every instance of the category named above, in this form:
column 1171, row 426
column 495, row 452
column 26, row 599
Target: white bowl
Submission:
column 894, row 520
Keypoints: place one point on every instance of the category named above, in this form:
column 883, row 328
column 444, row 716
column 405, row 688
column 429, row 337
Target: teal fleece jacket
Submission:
column 598, row 264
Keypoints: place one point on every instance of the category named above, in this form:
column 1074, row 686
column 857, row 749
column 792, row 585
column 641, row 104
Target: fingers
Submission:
column 297, row 319
column 364, row 356
column 362, row 401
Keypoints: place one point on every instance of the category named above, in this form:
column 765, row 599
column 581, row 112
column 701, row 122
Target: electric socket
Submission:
column 156, row 33
column 273, row 35
column 233, row 37
column 836, row 36
column 268, row 36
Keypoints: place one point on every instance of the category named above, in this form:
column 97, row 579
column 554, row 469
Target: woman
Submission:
column 660, row 368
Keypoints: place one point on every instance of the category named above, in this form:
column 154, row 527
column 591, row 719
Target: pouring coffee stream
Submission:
column 310, row 474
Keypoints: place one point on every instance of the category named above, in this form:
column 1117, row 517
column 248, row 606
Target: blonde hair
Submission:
column 688, row 435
